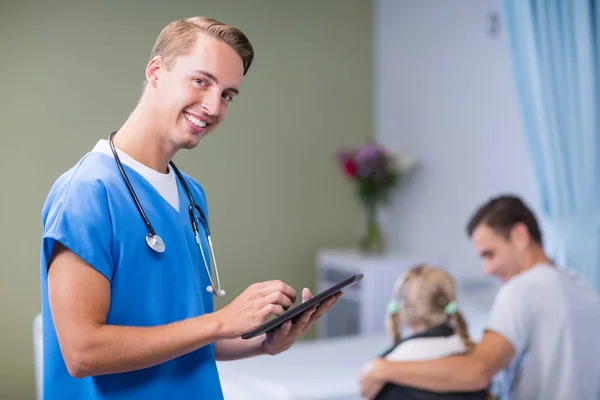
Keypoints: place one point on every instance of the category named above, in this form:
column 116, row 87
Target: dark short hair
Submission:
column 502, row 213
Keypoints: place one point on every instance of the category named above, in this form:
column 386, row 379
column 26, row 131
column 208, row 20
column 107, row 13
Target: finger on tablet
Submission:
column 306, row 295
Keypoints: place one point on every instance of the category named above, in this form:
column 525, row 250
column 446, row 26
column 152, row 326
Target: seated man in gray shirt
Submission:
column 543, row 330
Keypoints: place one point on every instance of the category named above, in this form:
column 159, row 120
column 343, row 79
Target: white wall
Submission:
column 444, row 92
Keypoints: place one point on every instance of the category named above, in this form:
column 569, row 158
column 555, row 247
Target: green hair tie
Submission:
column 393, row 307
column 451, row 308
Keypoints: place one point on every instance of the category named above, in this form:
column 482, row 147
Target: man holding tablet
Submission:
column 126, row 282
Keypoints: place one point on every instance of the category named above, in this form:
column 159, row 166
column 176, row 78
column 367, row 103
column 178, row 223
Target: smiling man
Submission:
column 126, row 276
column 543, row 328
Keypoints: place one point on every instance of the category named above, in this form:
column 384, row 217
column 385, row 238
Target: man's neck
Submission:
column 141, row 140
column 536, row 256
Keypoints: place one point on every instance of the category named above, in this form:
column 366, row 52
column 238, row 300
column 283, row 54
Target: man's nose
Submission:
column 211, row 103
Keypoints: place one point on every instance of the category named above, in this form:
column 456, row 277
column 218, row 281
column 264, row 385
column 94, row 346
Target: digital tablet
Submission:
column 315, row 301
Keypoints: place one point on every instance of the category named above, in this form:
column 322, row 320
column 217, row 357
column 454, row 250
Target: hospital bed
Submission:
column 310, row 370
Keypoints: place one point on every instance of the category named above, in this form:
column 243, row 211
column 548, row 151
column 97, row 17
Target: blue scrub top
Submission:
column 90, row 210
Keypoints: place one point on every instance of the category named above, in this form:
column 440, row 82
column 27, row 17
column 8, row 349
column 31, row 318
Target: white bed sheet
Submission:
column 315, row 370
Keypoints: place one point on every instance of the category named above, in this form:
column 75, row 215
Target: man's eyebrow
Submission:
column 214, row 79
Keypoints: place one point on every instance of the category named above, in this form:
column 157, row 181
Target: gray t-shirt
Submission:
column 552, row 318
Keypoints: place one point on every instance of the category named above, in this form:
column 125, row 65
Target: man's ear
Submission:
column 153, row 70
column 520, row 236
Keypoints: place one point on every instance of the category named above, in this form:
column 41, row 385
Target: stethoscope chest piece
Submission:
column 155, row 242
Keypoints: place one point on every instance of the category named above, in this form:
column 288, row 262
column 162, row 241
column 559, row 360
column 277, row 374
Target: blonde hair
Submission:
column 178, row 38
column 424, row 293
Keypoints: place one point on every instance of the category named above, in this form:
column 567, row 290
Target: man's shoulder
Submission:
column 542, row 275
column 191, row 180
column 537, row 288
column 195, row 186
column 92, row 167
column 88, row 177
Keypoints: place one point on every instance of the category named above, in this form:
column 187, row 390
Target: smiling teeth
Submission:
column 194, row 120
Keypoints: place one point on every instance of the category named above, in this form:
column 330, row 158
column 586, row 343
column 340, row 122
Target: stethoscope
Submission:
column 155, row 242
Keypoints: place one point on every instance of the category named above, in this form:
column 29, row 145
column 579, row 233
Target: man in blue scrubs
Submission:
column 120, row 320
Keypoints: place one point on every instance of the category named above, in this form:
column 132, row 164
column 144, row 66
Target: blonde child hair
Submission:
column 425, row 297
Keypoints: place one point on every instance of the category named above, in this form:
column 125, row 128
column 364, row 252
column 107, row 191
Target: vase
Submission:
column 371, row 240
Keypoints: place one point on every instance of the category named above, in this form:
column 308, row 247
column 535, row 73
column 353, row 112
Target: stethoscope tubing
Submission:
column 155, row 242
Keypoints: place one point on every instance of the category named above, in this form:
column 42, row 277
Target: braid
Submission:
column 463, row 331
column 394, row 329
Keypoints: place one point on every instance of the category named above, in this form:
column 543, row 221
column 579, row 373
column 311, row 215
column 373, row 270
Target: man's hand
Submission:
column 280, row 339
column 370, row 386
column 253, row 307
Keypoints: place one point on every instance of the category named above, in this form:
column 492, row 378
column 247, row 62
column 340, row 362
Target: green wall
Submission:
column 71, row 72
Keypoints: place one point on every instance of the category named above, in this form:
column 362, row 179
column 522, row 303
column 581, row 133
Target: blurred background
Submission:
column 430, row 79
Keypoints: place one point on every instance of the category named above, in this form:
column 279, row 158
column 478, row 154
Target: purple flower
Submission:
column 370, row 160
column 369, row 152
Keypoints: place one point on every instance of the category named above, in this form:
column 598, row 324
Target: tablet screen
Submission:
column 297, row 311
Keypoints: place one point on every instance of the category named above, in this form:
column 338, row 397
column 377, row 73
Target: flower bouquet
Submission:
column 375, row 173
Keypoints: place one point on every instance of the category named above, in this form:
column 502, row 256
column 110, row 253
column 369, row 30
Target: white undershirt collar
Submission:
column 165, row 184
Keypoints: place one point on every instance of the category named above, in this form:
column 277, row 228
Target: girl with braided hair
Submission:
column 424, row 322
